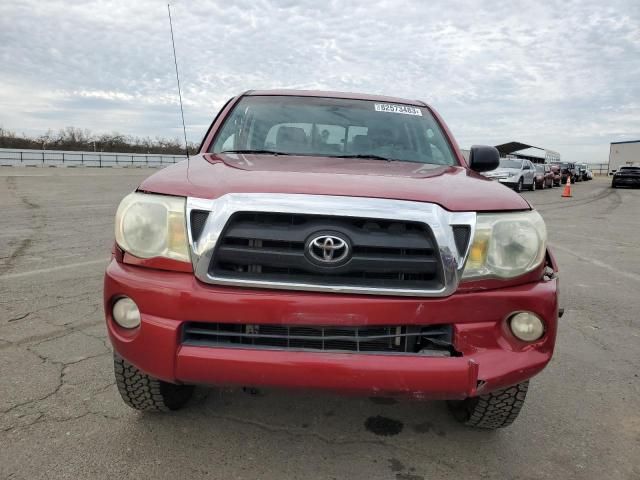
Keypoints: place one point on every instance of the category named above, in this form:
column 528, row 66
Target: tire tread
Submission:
column 494, row 410
column 145, row 393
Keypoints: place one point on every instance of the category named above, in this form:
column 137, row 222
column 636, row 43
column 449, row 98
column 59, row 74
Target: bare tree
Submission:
column 77, row 139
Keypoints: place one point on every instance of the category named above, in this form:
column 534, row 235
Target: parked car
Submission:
column 627, row 176
column 372, row 260
column 581, row 171
column 543, row 176
column 577, row 177
column 557, row 177
column 516, row 173
column 567, row 170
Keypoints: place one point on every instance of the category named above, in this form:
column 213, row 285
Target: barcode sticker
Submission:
column 404, row 109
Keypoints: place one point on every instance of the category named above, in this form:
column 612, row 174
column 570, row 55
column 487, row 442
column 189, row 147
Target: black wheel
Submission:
column 519, row 185
column 494, row 410
column 533, row 185
column 613, row 185
column 142, row 392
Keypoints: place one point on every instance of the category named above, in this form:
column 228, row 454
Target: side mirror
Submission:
column 483, row 158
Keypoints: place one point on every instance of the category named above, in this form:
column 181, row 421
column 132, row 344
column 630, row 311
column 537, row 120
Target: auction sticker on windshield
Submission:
column 405, row 109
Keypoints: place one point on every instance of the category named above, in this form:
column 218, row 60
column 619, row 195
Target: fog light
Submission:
column 526, row 326
column 125, row 313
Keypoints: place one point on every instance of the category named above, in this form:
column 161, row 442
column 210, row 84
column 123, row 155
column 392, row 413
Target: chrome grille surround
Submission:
column 439, row 220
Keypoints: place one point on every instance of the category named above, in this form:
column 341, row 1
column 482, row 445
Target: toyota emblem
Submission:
column 328, row 249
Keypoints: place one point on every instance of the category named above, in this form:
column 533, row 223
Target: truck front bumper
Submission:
column 491, row 357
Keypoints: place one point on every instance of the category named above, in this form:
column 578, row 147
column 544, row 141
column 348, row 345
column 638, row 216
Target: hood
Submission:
column 454, row 188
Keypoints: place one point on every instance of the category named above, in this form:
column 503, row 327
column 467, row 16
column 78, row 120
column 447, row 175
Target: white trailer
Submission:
column 623, row 153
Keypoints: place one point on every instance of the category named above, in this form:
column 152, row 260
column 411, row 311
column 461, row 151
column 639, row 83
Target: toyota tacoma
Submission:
column 331, row 241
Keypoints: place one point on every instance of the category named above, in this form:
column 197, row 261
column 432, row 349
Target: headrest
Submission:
column 291, row 136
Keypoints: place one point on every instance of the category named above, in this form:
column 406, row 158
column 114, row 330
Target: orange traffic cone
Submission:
column 567, row 188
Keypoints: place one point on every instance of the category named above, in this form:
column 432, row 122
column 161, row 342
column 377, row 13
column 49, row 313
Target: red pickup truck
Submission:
column 332, row 241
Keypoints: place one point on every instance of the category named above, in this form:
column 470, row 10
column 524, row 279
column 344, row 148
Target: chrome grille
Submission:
column 438, row 224
column 271, row 247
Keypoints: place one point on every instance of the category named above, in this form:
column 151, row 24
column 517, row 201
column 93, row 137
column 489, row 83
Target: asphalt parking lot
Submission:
column 61, row 415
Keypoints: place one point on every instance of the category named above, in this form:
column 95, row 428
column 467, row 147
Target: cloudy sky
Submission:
column 564, row 75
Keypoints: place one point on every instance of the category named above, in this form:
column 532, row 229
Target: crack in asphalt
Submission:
column 19, row 317
column 47, row 336
column 305, row 433
column 37, row 221
column 50, row 307
column 39, row 399
column 104, row 339
column 63, row 366
column 43, row 419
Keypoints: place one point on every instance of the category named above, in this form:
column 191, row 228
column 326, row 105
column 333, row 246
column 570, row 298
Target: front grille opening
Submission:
column 198, row 220
column 270, row 247
column 461, row 234
column 428, row 340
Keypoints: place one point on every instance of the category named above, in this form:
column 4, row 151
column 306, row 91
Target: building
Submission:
column 623, row 153
column 522, row 150
column 529, row 152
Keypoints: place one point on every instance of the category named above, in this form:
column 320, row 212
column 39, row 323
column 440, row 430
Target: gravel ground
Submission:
column 61, row 416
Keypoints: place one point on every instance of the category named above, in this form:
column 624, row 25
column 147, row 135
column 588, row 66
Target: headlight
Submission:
column 152, row 226
column 506, row 245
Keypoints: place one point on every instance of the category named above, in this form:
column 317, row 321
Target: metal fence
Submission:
column 598, row 168
column 57, row 158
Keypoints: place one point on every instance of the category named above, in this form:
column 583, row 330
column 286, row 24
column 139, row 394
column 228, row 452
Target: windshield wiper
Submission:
column 271, row 152
column 372, row 156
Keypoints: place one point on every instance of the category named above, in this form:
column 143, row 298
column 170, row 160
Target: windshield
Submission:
column 510, row 163
column 630, row 169
column 333, row 127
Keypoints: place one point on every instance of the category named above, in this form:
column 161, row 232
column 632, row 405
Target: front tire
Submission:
column 533, row 185
column 494, row 410
column 518, row 187
column 145, row 393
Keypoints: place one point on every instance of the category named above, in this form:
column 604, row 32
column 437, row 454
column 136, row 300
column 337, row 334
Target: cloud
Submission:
column 564, row 75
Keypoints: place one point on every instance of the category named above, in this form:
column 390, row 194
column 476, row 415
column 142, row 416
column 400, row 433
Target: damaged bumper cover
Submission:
column 490, row 357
